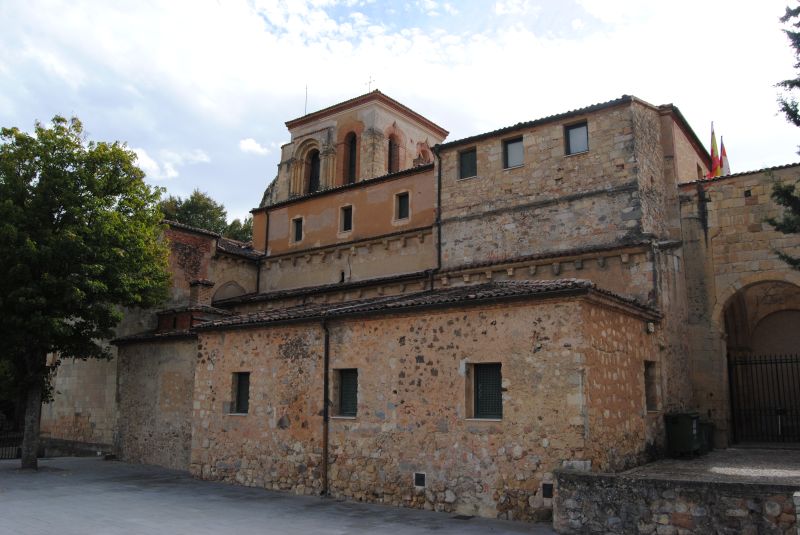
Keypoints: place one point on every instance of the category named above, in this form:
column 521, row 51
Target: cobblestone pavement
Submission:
column 733, row 465
column 91, row 496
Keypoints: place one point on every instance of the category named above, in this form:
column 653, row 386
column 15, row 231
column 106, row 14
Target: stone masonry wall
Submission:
column 615, row 414
column 413, row 411
column 552, row 202
column 84, row 406
column 729, row 245
column 156, row 381
column 277, row 444
column 598, row 503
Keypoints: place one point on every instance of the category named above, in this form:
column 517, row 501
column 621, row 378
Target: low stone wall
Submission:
column 605, row 503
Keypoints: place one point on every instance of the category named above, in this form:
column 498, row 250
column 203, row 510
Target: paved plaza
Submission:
column 85, row 496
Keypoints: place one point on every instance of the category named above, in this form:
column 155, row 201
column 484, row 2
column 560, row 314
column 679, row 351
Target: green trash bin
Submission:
column 707, row 436
column 684, row 433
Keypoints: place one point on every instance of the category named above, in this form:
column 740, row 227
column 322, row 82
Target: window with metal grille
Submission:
column 467, row 163
column 512, row 153
column 576, row 137
column 348, row 392
column 401, row 208
column 313, row 171
column 488, row 391
column 241, row 392
column 346, row 219
column 297, row 234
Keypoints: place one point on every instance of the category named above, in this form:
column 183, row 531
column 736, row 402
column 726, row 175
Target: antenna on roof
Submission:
column 305, row 106
column 369, row 84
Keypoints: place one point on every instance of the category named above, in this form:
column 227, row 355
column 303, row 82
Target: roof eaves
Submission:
column 736, row 175
column 624, row 99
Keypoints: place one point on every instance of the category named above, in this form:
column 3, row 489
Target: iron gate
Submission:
column 765, row 397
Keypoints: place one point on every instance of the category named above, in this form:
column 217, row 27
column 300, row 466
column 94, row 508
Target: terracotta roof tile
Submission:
column 431, row 298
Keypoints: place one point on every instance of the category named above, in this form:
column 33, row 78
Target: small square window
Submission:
column 241, row 393
column 297, row 229
column 346, row 219
column 348, row 392
column 577, row 138
column 468, row 163
column 513, row 153
column 401, row 206
column 487, row 394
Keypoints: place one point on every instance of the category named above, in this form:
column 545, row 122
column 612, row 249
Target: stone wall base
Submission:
column 605, row 503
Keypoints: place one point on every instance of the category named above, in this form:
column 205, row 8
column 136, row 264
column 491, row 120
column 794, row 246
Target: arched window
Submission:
column 312, row 164
column 394, row 155
column 351, row 154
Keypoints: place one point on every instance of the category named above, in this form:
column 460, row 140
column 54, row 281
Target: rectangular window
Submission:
column 468, row 163
column 577, row 138
column 241, row 393
column 512, row 153
column 401, row 206
column 346, row 219
column 348, row 392
column 487, row 394
column 297, row 229
column 651, row 385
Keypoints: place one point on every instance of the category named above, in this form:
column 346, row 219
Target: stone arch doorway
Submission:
column 762, row 328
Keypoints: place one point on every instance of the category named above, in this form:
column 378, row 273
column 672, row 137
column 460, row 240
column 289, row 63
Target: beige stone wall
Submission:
column 553, row 202
column 413, row 404
column 156, row 381
column 649, row 162
column 225, row 269
column 83, row 408
column 277, row 445
column 396, row 255
column 616, row 417
column 373, row 214
column 729, row 246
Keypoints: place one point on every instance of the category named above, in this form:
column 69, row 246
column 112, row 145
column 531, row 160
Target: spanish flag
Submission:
column 723, row 158
column 716, row 169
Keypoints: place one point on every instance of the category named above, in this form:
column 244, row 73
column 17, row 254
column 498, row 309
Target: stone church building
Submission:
column 442, row 324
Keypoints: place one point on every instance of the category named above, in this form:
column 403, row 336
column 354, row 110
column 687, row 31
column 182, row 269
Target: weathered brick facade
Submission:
column 438, row 274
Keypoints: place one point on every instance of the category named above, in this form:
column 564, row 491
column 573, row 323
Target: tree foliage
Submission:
column 787, row 195
column 198, row 210
column 240, row 231
column 201, row 211
column 79, row 237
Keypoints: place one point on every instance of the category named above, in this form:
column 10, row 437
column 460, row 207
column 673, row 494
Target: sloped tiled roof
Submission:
column 743, row 173
column 491, row 291
column 225, row 245
column 322, row 288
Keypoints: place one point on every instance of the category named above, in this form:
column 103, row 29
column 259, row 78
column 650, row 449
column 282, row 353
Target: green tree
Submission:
column 79, row 237
column 198, row 210
column 787, row 195
column 201, row 211
column 240, row 231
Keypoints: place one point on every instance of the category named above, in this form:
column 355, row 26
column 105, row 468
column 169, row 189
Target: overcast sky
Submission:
column 200, row 89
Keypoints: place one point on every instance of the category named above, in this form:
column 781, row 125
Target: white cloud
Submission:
column 512, row 7
column 251, row 146
column 153, row 169
column 577, row 24
column 169, row 161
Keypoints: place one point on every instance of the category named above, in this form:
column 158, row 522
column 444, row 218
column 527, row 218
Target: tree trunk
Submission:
column 30, row 438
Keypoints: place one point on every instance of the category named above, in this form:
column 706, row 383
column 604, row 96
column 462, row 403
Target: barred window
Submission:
column 348, row 392
column 488, row 396
column 241, row 393
column 468, row 163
